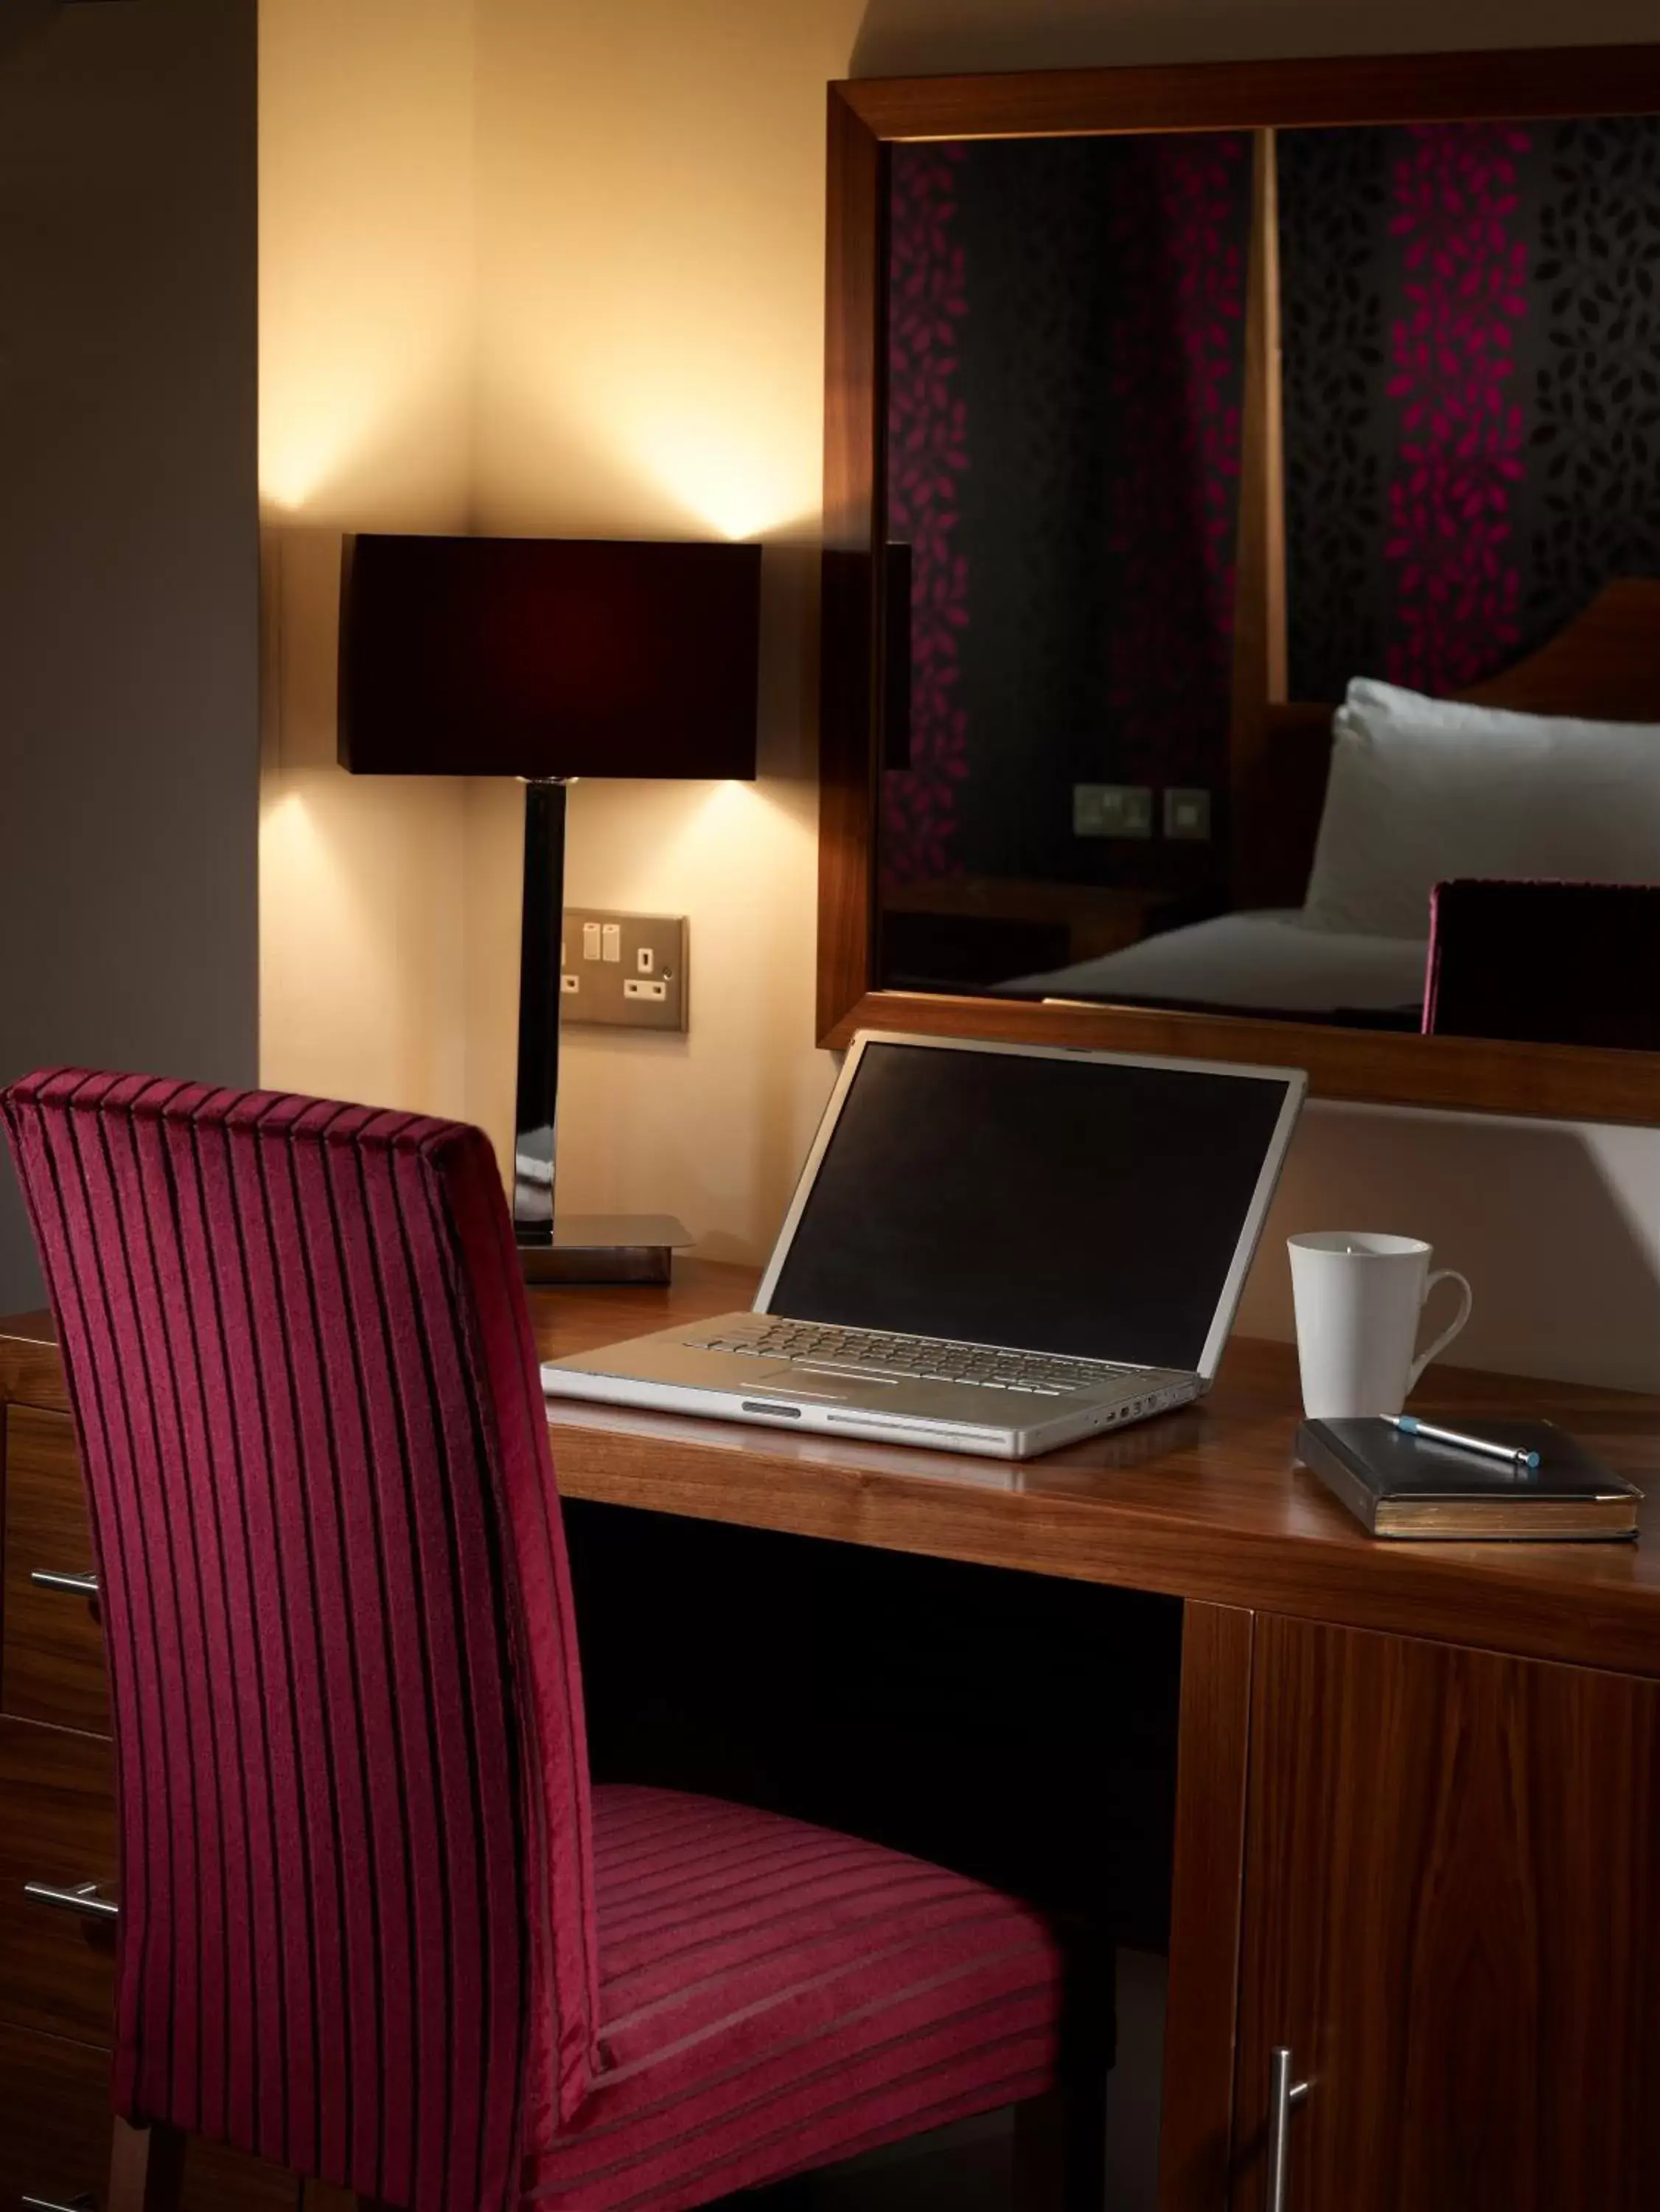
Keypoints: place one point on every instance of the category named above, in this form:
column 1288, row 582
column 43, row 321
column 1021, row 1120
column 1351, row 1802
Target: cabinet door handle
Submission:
column 76, row 1585
column 1284, row 2095
column 86, row 2201
column 83, row 1898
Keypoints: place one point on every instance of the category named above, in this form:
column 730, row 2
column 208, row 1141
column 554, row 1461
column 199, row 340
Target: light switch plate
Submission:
column 635, row 978
column 1111, row 810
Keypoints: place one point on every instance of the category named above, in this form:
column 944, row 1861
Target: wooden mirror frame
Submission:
column 865, row 118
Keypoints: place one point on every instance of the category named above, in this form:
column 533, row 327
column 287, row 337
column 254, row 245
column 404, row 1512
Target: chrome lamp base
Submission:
column 606, row 1247
column 555, row 1247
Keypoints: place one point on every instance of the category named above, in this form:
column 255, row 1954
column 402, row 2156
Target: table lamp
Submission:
column 550, row 658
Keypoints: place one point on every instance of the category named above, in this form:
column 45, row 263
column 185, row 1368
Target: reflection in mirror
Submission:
column 1066, row 355
column 1427, row 360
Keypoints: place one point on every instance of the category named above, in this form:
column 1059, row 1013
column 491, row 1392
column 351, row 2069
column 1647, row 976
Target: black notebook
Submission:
column 1405, row 1486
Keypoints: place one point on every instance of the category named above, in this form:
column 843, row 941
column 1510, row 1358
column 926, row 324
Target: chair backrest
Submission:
column 356, row 1931
column 1545, row 962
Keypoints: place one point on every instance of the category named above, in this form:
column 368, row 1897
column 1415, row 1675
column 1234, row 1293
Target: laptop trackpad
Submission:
column 788, row 1380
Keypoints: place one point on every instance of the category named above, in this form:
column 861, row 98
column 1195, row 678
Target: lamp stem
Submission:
column 536, row 1115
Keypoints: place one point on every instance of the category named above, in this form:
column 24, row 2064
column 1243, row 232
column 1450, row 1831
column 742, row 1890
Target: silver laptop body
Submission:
column 992, row 1248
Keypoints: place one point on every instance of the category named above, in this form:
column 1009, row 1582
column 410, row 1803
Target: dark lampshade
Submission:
column 545, row 657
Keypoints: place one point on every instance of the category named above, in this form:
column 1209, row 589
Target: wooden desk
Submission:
column 1418, row 1811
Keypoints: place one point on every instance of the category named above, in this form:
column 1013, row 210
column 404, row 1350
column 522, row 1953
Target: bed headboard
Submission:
column 1604, row 666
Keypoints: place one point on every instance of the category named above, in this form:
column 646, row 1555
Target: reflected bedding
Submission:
column 1273, row 962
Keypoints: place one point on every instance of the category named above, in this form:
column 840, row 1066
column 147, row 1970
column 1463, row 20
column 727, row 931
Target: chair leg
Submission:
column 1041, row 2132
column 1060, row 2153
column 147, row 2169
column 1060, row 2140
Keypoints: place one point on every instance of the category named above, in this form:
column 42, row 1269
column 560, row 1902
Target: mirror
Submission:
column 1182, row 440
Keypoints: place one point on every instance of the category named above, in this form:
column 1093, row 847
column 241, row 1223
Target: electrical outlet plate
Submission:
column 1186, row 811
column 1111, row 810
column 624, row 971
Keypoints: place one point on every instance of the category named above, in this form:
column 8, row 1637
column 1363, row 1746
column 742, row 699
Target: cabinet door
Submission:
column 1452, row 1917
column 51, row 1643
column 57, row 1829
column 55, row 2137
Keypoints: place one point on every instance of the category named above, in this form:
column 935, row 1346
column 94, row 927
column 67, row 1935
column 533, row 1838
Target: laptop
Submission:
column 992, row 1248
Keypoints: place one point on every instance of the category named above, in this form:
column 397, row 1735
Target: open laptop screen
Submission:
column 1068, row 1205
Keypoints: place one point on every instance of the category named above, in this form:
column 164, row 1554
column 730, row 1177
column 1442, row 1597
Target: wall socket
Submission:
column 1111, row 810
column 1186, row 811
column 625, row 971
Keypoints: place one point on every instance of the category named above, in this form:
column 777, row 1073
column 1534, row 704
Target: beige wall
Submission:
column 651, row 195
column 367, row 334
column 647, row 324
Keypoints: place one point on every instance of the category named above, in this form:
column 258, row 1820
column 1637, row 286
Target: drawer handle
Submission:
column 1283, row 2098
column 83, row 1898
column 76, row 1585
column 86, row 2201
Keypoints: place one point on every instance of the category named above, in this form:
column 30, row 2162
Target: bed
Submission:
column 1270, row 962
column 1550, row 771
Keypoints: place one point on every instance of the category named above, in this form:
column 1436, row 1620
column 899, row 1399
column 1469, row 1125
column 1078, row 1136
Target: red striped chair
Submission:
column 375, row 1925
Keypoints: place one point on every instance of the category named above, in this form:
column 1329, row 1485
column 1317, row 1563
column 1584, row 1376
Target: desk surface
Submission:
column 1206, row 1502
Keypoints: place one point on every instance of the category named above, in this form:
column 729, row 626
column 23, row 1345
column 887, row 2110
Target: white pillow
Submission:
column 1423, row 790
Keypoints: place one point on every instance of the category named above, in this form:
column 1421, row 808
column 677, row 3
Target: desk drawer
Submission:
column 55, row 2127
column 52, row 1663
column 56, row 1828
column 55, row 2137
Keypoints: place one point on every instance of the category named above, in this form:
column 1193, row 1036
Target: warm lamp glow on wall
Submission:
column 548, row 659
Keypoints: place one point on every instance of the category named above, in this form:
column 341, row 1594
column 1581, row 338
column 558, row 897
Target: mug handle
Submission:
column 1441, row 1275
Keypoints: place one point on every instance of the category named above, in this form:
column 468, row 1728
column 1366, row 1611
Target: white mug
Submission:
column 1358, row 1298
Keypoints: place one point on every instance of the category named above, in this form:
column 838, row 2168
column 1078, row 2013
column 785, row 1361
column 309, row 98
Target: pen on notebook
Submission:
column 1410, row 1425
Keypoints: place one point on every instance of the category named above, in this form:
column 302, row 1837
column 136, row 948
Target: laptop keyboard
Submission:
column 921, row 1358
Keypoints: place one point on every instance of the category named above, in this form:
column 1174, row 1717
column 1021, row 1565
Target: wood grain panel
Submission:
column 321, row 2196
column 1233, row 95
column 31, row 1373
column 1604, row 664
column 54, row 2119
column 1287, row 792
column 55, row 2137
column 1196, row 2124
column 850, row 621
column 1259, row 609
column 57, row 1970
column 51, row 1651
column 1451, row 1918
column 1572, row 1082
column 220, row 2180
column 1204, row 1503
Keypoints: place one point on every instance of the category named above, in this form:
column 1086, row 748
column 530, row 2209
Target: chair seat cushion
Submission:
column 775, row 1997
